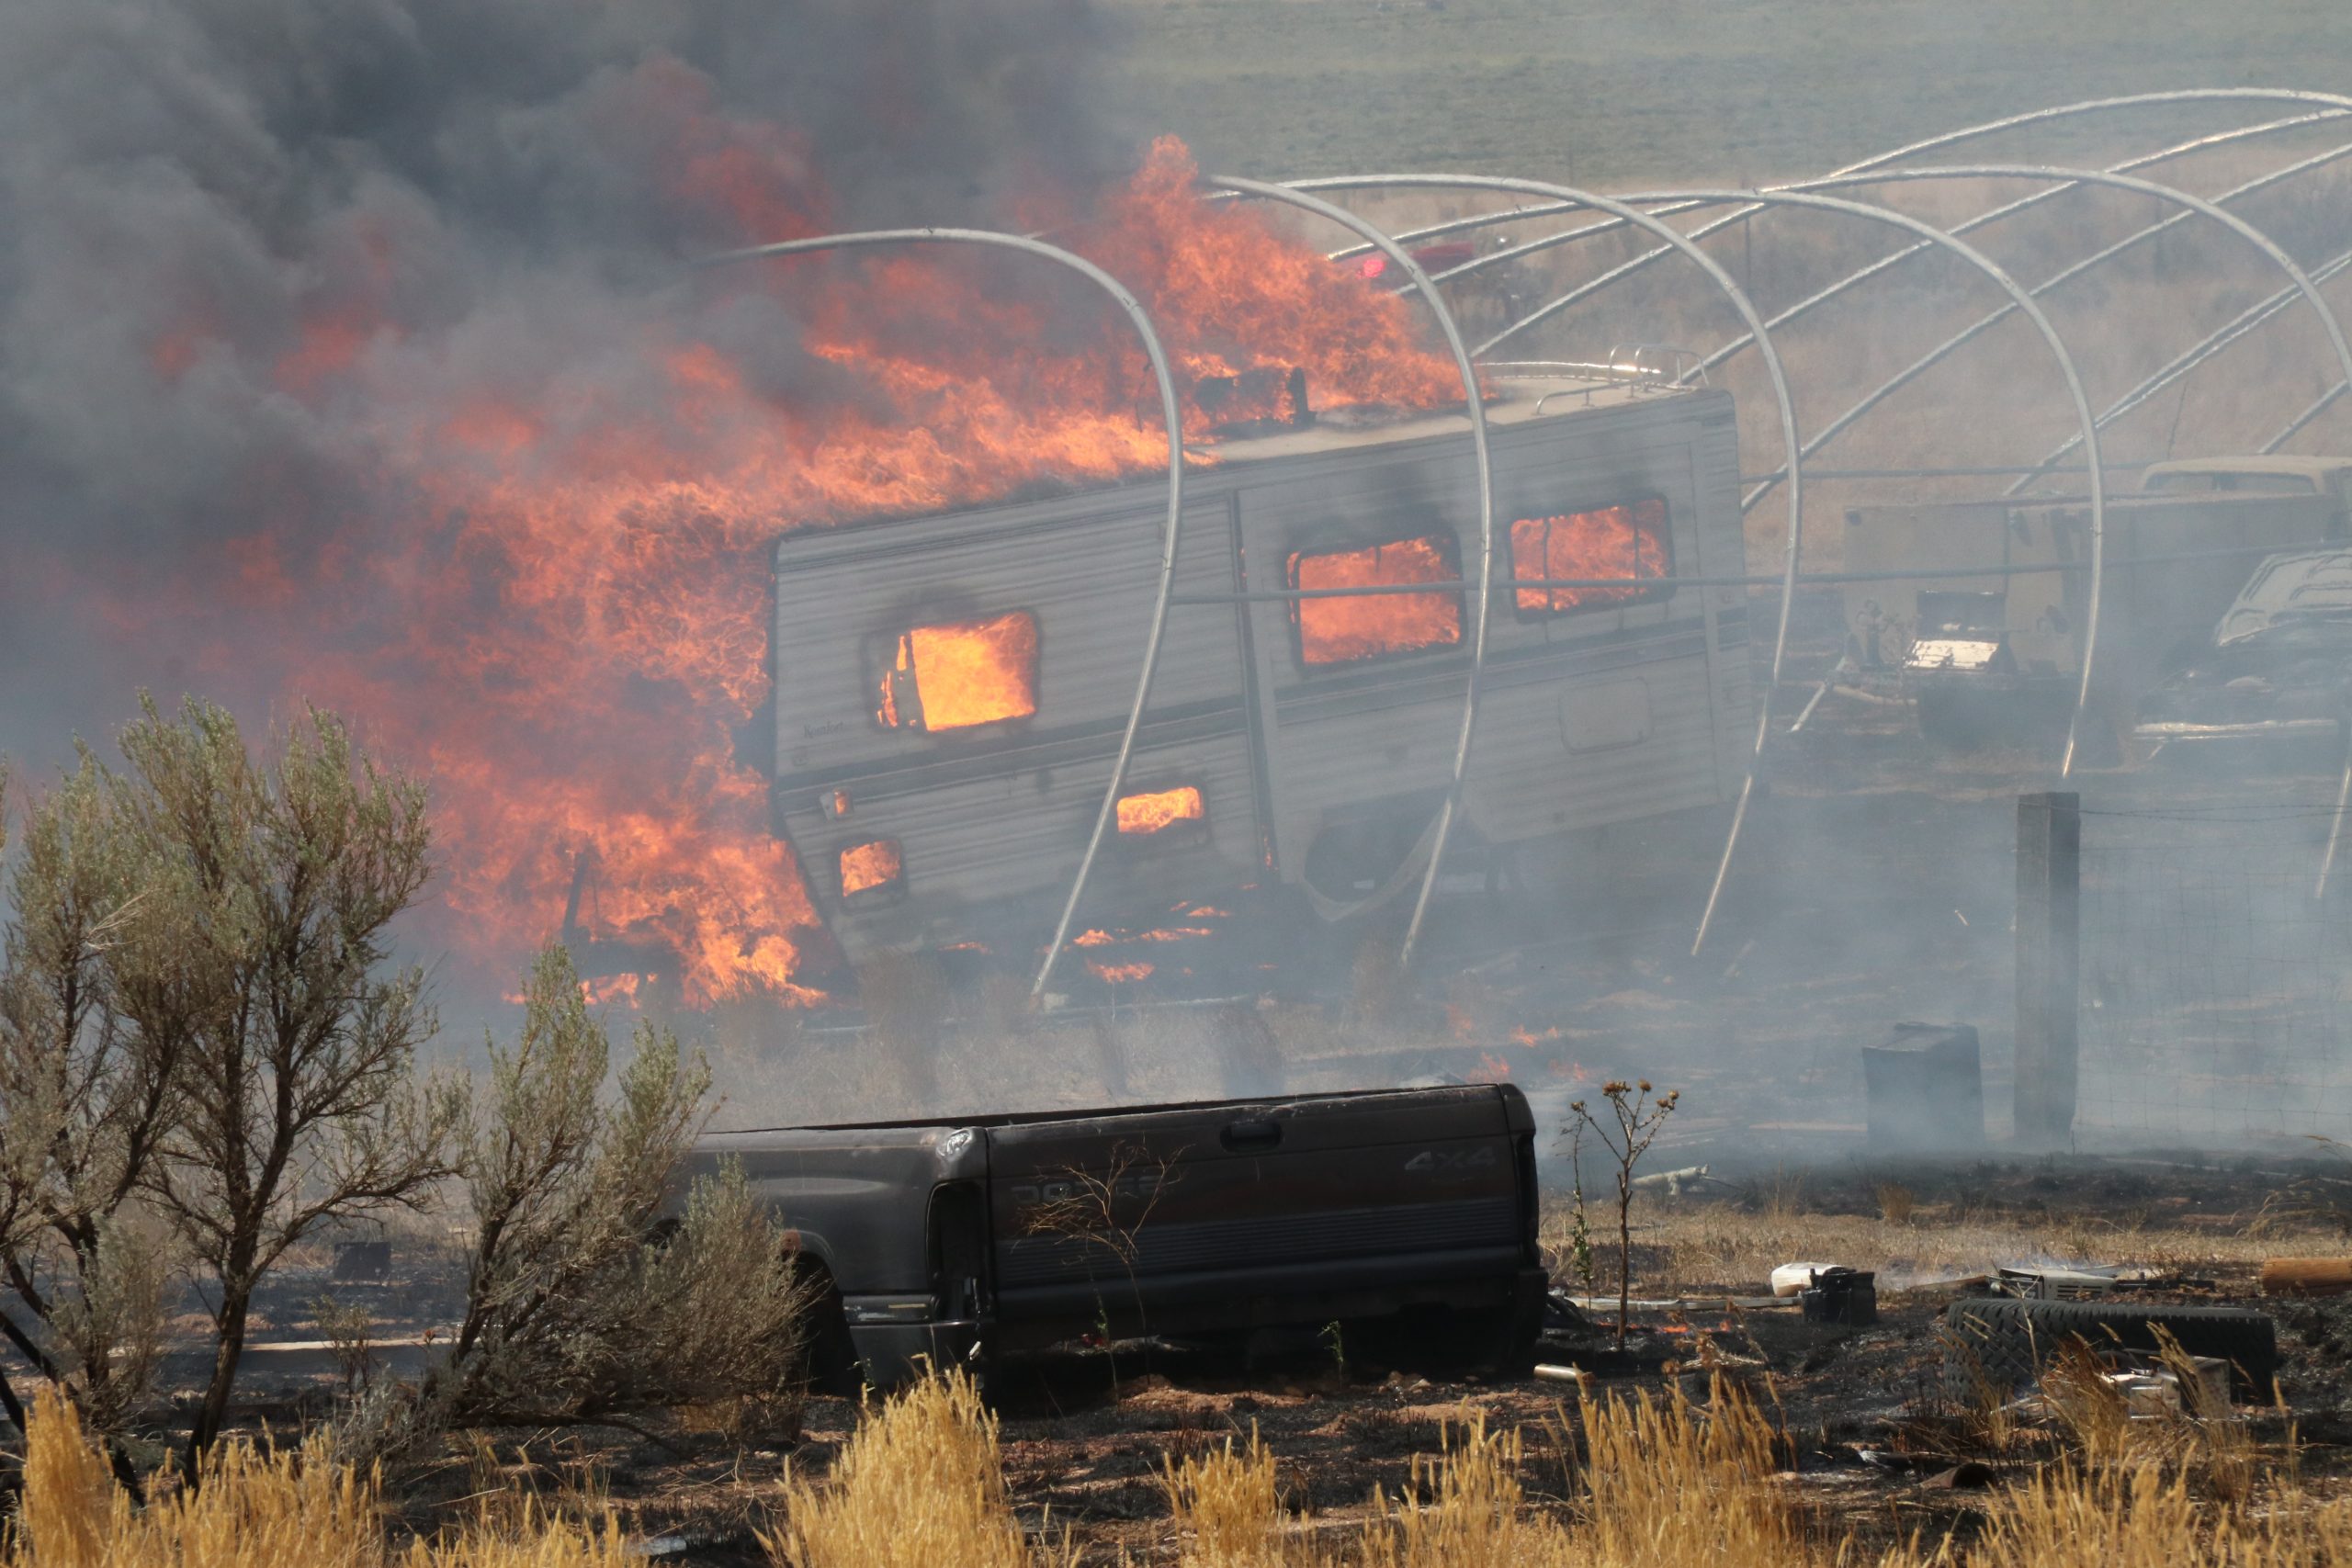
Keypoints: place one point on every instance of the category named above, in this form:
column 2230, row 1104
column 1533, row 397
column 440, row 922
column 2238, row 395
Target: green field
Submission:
column 1607, row 94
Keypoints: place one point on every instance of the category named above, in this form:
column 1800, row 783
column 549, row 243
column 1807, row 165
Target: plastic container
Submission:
column 1790, row 1278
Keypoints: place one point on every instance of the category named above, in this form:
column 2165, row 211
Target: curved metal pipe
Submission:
column 2192, row 207
column 1943, row 139
column 2051, row 193
column 2189, row 359
column 2021, row 299
column 2294, row 426
column 1170, row 410
column 1624, row 269
column 2235, row 224
column 1485, row 579
column 1675, row 241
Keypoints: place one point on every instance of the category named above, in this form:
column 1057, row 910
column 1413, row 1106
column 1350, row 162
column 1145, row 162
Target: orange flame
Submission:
column 1120, row 973
column 568, row 630
column 866, row 867
column 1491, row 1068
column 1143, row 815
column 612, row 987
column 965, row 673
column 1614, row 541
column 1336, row 631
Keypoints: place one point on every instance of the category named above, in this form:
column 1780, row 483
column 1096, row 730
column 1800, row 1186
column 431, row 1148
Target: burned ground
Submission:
column 1873, row 1450
column 1876, row 885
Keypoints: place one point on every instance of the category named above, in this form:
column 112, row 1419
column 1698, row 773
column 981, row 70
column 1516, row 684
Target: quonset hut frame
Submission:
column 1645, row 211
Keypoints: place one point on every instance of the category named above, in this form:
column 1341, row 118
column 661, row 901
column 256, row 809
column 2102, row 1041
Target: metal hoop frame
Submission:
column 2189, row 359
column 2334, row 101
column 1683, row 244
column 1420, row 280
column 2193, row 206
column 1170, row 410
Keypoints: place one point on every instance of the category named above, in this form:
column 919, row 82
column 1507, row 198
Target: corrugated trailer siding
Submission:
column 975, row 845
column 998, row 814
column 1526, row 782
column 1350, row 739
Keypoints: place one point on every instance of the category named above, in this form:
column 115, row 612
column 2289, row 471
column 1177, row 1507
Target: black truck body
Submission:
column 957, row 1240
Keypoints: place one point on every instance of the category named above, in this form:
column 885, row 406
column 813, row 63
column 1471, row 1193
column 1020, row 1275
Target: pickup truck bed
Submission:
column 1410, row 1211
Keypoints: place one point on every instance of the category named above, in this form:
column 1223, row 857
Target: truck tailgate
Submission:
column 1188, row 1202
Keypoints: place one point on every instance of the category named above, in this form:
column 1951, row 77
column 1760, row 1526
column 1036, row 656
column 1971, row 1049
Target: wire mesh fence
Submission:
column 2216, row 1001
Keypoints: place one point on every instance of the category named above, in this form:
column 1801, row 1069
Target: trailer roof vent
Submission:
column 962, row 673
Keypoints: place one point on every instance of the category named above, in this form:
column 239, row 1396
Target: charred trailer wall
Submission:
column 1276, row 730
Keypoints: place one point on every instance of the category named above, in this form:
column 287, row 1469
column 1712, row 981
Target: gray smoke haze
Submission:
column 211, row 212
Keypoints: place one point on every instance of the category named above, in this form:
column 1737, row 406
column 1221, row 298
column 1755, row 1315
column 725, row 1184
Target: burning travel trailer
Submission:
column 952, row 687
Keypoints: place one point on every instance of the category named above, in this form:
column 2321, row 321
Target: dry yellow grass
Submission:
column 258, row 1507
column 2075, row 1518
column 1724, row 1245
column 1668, row 1486
column 1661, row 1486
column 919, row 1485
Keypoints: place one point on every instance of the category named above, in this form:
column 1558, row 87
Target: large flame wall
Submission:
column 353, row 359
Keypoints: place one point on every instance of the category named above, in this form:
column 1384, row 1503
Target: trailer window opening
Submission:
column 872, row 871
column 1629, row 541
column 1164, row 815
column 962, row 673
column 1344, row 630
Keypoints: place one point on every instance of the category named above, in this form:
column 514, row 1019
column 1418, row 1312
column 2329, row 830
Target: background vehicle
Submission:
column 1991, row 654
column 2278, row 669
column 1409, row 1214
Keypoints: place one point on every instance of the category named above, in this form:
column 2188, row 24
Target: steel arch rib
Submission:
column 2021, row 299
column 2202, row 95
column 1624, row 269
column 2237, row 225
column 1170, row 410
column 2009, row 209
column 2192, row 205
column 2188, row 359
column 1420, row 280
column 1876, row 160
column 1675, row 240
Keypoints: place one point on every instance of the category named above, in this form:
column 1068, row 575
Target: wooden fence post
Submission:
column 2050, row 839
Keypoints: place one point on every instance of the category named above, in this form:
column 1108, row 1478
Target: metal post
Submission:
column 2049, row 936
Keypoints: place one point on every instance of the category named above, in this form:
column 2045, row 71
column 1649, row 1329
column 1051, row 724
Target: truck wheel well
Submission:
column 832, row 1360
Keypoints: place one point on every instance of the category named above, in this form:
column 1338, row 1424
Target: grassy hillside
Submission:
column 1629, row 90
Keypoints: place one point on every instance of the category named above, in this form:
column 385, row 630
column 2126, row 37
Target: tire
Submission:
column 832, row 1364
column 2004, row 1345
